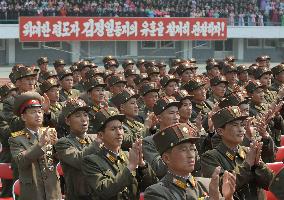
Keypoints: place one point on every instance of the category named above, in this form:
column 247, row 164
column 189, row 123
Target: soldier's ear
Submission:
column 67, row 121
column 121, row 107
column 100, row 134
column 23, row 117
column 159, row 118
column 166, row 158
column 220, row 131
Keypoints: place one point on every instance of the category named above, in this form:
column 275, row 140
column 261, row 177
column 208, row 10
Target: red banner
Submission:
column 120, row 28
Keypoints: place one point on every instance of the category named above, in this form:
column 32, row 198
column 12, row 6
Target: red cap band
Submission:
column 30, row 103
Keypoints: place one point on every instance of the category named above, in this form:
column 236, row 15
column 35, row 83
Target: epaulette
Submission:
column 18, row 133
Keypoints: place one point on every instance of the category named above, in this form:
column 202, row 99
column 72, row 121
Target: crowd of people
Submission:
column 143, row 128
column 238, row 13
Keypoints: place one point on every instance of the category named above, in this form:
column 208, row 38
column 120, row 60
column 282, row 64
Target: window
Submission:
column 253, row 43
column 30, row 45
column 148, row 45
column 269, row 43
column 57, row 45
column 200, row 44
column 2, row 44
column 167, row 44
column 226, row 45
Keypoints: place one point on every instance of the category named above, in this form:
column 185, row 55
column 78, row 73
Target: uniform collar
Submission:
column 82, row 140
column 112, row 156
column 231, row 153
column 181, row 182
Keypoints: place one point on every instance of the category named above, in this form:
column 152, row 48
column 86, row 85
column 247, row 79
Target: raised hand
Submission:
column 214, row 184
column 229, row 185
column 45, row 103
column 258, row 153
column 44, row 138
column 53, row 136
column 251, row 155
column 133, row 157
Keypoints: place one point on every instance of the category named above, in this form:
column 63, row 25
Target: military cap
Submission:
column 276, row 186
column 90, row 74
column 12, row 77
column 47, row 85
column 172, row 70
column 27, row 100
column 149, row 87
column 181, row 95
column 161, row 64
column 167, row 79
column 99, row 72
column 153, row 70
column 242, row 68
column 227, row 115
column 183, row 67
column 115, row 79
column 111, row 63
column 107, row 74
column 130, row 72
column 217, row 80
column 150, row 64
column 49, row 74
column 193, row 84
column 230, row 59
column 261, row 58
column 23, row 72
column 277, row 69
column 211, row 65
column 267, row 57
column 252, row 69
column 58, row 62
column 6, row 88
column 192, row 60
column 64, row 73
column 259, row 72
column 93, row 65
column 173, row 136
column 234, row 99
column 253, row 85
column 94, row 82
column 74, row 105
column 17, row 66
column 163, row 103
column 42, row 60
column 127, row 62
column 228, row 68
column 140, row 78
column 107, row 58
column 74, row 67
column 84, row 64
column 140, row 62
column 123, row 97
column 105, row 115
column 175, row 62
column 210, row 60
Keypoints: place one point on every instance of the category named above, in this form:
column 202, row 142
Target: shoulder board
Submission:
column 18, row 133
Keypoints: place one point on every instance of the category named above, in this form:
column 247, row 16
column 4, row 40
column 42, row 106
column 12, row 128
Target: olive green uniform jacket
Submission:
column 70, row 151
column 250, row 180
column 109, row 177
column 37, row 182
column 177, row 188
